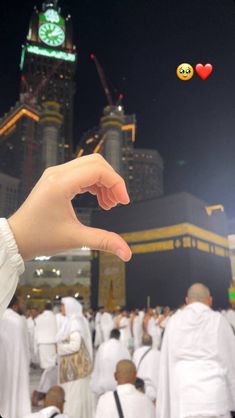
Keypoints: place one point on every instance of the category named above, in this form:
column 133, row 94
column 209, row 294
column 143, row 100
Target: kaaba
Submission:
column 176, row 241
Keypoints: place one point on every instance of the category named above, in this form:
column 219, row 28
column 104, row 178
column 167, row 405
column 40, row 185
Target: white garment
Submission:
column 46, row 413
column 134, row 404
column 108, row 355
column 125, row 331
column 230, row 316
column 106, row 325
column 77, row 393
column 59, row 320
column 47, row 355
column 45, row 336
column 48, row 379
column 147, row 362
column 14, row 366
column 197, row 365
column 98, row 334
column 46, row 328
column 11, row 265
column 32, row 342
column 155, row 331
column 137, row 329
column 221, row 416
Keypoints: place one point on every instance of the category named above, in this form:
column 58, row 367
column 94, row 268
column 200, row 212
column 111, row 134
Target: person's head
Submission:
column 166, row 310
column 48, row 306
column 125, row 313
column 34, row 312
column 140, row 385
column 125, row 372
column 17, row 304
column 158, row 310
column 115, row 333
column 71, row 307
column 62, row 309
column 147, row 340
column 55, row 397
column 198, row 292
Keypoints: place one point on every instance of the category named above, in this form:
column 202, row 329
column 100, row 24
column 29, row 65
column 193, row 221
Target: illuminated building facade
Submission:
column 143, row 173
column 66, row 274
column 38, row 131
column 9, row 189
column 19, row 148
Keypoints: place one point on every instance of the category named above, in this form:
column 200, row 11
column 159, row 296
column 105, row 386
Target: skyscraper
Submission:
column 38, row 131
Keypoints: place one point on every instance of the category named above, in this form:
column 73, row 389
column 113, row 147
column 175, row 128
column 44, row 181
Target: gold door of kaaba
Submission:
column 112, row 281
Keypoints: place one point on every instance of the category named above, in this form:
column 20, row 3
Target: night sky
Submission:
column 140, row 43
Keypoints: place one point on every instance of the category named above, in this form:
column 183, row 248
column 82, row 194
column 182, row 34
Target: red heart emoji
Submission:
column 203, row 71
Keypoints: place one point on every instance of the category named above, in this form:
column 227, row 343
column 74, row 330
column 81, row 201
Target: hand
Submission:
column 46, row 223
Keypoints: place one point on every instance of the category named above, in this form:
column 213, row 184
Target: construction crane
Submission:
column 104, row 83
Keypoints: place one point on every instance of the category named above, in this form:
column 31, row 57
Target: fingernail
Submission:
column 121, row 254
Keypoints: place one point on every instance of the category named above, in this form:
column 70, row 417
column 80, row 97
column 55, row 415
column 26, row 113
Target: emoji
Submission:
column 203, row 71
column 184, row 71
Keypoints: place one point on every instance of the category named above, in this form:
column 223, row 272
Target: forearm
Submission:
column 70, row 347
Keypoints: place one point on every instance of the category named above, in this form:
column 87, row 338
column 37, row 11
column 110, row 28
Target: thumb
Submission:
column 99, row 239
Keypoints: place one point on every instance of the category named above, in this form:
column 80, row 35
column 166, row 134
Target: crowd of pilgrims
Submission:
column 109, row 364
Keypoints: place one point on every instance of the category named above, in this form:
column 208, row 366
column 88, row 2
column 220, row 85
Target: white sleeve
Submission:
column 72, row 346
column 11, row 265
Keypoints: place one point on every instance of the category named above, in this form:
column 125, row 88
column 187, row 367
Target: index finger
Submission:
column 95, row 172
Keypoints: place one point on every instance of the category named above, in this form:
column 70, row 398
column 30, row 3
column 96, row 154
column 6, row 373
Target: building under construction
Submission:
column 115, row 138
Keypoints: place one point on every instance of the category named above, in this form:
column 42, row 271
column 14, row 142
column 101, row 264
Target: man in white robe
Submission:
column 106, row 325
column 133, row 402
column 155, row 331
column 147, row 362
column 108, row 355
column 31, row 324
column 53, row 404
column 98, row 332
column 60, row 318
column 14, row 362
column 45, row 334
column 197, row 363
column 125, row 330
column 137, row 327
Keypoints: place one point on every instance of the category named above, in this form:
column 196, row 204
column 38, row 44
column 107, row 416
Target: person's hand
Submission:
column 46, row 223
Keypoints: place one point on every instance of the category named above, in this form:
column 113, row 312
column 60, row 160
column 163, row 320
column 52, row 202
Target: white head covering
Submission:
column 75, row 321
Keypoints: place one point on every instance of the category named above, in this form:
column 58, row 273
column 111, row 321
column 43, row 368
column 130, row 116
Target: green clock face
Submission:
column 51, row 34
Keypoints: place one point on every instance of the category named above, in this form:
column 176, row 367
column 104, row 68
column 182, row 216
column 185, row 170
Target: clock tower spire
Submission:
column 48, row 64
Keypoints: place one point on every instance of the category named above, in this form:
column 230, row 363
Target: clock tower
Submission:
column 48, row 64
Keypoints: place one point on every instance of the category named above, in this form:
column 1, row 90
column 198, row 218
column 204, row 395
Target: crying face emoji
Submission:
column 184, row 72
